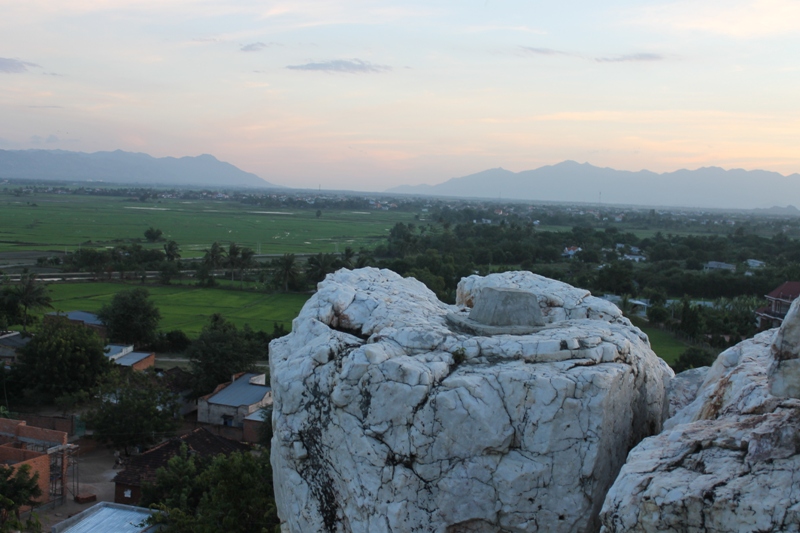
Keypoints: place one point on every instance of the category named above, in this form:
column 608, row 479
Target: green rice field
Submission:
column 62, row 223
column 187, row 307
column 665, row 345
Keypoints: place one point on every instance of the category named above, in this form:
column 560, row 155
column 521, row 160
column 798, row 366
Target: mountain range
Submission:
column 124, row 167
column 710, row 187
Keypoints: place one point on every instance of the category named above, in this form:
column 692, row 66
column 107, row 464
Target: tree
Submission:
column 228, row 493
column 63, row 358
column 319, row 266
column 152, row 234
column 234, row 256
column 222, row 350
column 18, row 488
column 172, row 251
column 214, row 256
column 30, row 295
column 136, row 409
column 285, row 270
column 693, row 357
column 131, row 317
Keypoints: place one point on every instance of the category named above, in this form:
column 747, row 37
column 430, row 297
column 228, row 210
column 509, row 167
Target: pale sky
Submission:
column 368, row 94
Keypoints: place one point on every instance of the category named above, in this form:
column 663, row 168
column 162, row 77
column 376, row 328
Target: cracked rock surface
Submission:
column 728, row 460
column 387, row 420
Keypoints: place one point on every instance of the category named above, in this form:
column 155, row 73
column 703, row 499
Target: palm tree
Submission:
column 347, row 257
column 286, row 270
column 172, row 251
column 31, row 295
column 319, row 266
column 214, row 256
column 234, row 258
column 245, row 261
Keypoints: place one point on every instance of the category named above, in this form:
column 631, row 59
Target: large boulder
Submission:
column 390, row 416
column 728, row 460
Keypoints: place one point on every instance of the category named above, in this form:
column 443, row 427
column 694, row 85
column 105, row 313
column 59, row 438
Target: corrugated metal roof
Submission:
column 131, row 358
column 82, row 316
column 114, row 351
column 106, row 517
column 240, row 392
column 259, row 415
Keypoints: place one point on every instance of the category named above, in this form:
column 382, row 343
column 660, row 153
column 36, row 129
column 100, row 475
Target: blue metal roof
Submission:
column 259, row 415
column 240, row 392
column 131, row 358
column 106, row 517
column 81, row 316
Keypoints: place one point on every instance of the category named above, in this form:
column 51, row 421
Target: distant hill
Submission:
column 569, row 181
column 124, row 167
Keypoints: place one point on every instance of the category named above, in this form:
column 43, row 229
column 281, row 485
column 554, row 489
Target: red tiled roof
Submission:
column 788, row 291
column 142, row 468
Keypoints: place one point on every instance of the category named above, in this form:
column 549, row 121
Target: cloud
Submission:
column 630, row 58
column 46, row 107
column 256, row 47
column 544, row 51
column 639, row 57
column 350, row 66
column 15, row 66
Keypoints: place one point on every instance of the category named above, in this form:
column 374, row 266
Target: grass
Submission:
column 188, row 307
column 663, row 343
column 63, row 223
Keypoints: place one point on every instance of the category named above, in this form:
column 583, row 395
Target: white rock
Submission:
column 405, row 425
column 727, row 461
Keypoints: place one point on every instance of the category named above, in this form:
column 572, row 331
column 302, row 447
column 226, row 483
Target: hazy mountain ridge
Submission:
column 569, row 181
column 124, row 167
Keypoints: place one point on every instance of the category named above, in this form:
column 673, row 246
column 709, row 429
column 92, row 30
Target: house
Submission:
column 717, row 265
column 778, row 303
column 633, row 257
column 755, row 263
column 253, row 423
column 107, row 516
column 231, row 402
column 125, row 356
column 179, row 382
column 10, row 344
column 570, row 251
column 142, row 468
column 45, row 450
column 84, row 318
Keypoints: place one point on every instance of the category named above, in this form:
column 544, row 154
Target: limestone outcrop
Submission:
column 728, row 460
column 390, row 417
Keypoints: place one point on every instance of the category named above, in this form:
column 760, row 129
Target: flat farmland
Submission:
column 187, row 307
column 60, row 223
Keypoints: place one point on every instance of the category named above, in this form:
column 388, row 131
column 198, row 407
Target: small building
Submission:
column 778, row 303
column 570, row 251
column 106, row 517
column 44, row 450
column 179, row 382
column 755, row 264
column 142, row 468
column 84, row 318
column 10, row 344
column 231, row 402
column 253, row 424
column 718, row 265
column 633, row 257
column 125, row 356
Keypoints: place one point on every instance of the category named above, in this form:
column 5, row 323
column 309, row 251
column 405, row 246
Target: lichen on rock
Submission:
column 387, row 418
